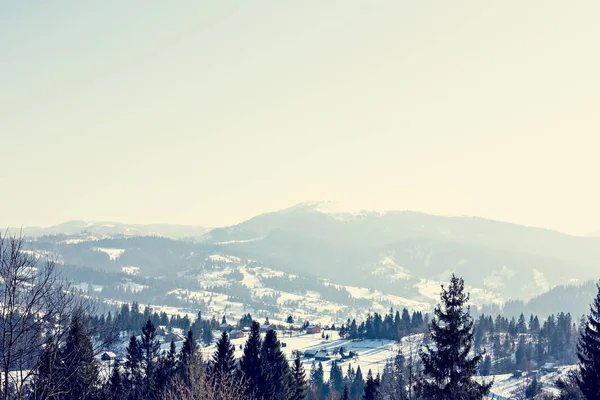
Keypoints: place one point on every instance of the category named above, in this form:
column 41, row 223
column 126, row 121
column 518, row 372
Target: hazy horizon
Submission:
column 211, row 113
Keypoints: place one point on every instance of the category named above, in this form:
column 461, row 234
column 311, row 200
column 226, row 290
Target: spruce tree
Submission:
column 250, row 361
column 150, row 348
column 336, row 377
column 371, row 388
column 345, row 394
column 80, row 374
column 588, row 352
column 358, row 384
column 300, row 389
column 133, row 382
column 276, row 378
column 448, row 368
column 114, row 389
column 188, row 356
column 223, row 360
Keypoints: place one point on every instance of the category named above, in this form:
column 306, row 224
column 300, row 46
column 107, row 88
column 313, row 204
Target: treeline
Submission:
column 392, row 326
column 525, row 344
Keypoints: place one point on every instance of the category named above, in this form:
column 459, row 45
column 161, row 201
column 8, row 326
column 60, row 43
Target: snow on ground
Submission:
column 241, row 241
column 264, row 272
column 371, row 354
column 508, row 387
column 223, row 259
column 131, row 270
column 431, row 289
column 250, row 280
column 133, row 287
column 113, row 254
column 397, row 301
column 86, row 286
column 388, row 268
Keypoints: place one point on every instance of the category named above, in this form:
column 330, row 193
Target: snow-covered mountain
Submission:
column 103, row 229
column 320, row 263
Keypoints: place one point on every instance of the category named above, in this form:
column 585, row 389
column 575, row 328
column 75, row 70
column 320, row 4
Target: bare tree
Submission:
column 36, row 305
column 202, row 386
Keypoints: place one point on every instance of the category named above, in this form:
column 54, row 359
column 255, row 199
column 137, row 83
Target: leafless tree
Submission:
column 36, row 305
column 201, row 386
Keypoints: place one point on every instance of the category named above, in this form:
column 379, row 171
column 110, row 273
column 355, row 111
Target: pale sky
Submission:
column 208, row 113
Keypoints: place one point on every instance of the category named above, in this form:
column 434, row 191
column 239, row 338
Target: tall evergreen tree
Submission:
column 114, row 389
column 299, row 390
column 80, row 374
column 167, row 367
column 150, row 348
column 588, row 352
column 371, row 388
column 223, row 362
column 448, row 364
column 358, row 384
column 133, row 382
column 250, row 361
column 276, row 379
column 188, row 356
column 345, row 394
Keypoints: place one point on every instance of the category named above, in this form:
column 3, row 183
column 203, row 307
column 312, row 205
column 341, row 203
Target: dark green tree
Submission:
column 114, row 387
column 448, row 369
column 133, row 380
column 358, row 384
column 299, row 387
column 188, row 355
column 371, row 388
column 250, row 361
column 150, row 348
column 80, row 375
column 276, row 377
column 223, row 361
column 588, row 352
column 486, row 366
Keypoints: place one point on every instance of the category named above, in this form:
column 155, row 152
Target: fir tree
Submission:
column 276, row 379
column 188, row 355
column 336, row 377
column 250, row 361
column 448, row 365
column 588, row 352
column 150, row 348
column 80, row 375
column 133, row 382
column 371, row 388
column 486, row 366
column 223, row 360
column 114, row 389
column 300, row 389
column 345, row 394
column 358, row 384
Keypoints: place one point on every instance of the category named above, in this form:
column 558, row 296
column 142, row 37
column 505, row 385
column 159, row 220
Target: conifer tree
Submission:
column 168, row 366
column 114, row 389
column 588, row 352
column 300, row 389
column 345, row 394
column 80, row 374
column 223, row 360
column 188, row 355
column 150, row 348
column 133, row 382
column 371, row 388
column 250, row 361
column 447, row 366
column 358, row 384
column 276, row 379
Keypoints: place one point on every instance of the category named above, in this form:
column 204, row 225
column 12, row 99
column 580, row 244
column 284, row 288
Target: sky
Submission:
column 208, row 113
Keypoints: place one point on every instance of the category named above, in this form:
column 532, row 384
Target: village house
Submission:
column 313, row 329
